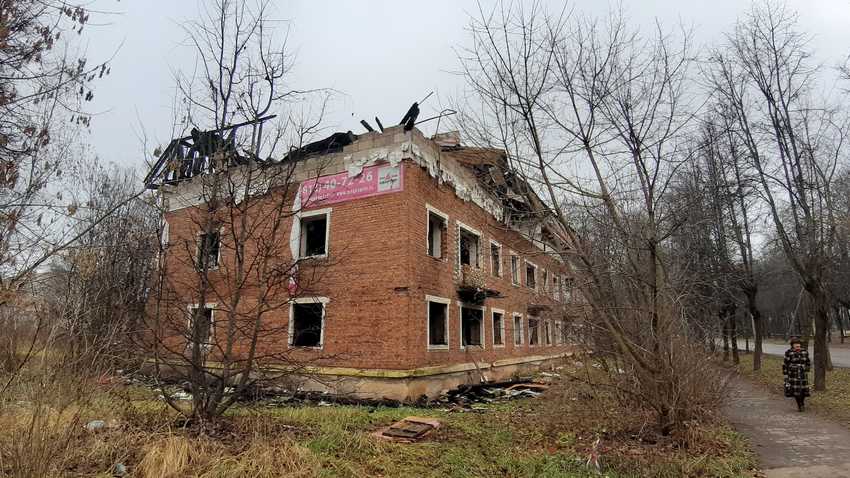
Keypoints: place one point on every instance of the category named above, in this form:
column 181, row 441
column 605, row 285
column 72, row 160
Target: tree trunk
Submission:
column 725, row 333
column 758, row 329
column 733, row 332
column 820, row 322
column 841, row 313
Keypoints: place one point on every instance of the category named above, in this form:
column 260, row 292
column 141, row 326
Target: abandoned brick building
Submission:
column 441, row 265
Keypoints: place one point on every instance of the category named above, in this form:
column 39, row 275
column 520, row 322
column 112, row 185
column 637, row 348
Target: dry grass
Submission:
column 549, row 436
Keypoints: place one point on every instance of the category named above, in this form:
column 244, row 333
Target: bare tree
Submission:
column 594, row 114
column 224, row 251
column 43, row 87
column 793, row 141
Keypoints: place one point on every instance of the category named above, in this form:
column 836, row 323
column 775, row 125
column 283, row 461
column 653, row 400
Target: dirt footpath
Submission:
column 789, row 444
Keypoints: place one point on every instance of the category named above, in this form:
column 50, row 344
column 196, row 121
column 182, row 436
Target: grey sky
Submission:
column 380, row 54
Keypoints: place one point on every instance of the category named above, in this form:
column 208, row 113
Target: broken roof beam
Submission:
column 158, row 168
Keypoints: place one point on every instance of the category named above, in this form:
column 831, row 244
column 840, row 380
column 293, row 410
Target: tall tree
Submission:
column 574, row 98
column 238, row 195
column 794, row 142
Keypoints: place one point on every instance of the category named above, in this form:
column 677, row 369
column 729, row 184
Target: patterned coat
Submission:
column 795, row 367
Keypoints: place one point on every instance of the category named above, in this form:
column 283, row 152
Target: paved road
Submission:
column 789, row 444
column 840, row 356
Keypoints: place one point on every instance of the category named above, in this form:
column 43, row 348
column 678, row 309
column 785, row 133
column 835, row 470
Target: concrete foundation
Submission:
column 410, row 385
column 403, row 385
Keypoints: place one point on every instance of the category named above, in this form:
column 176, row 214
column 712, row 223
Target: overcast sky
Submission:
column 381, row 55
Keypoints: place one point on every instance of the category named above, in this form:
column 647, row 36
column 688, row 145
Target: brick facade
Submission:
column 380, row 273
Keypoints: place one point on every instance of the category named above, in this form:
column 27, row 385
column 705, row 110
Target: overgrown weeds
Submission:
column 549, row 436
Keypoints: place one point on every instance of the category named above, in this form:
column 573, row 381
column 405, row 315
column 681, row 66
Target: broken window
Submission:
column 201, row 326
column 436, row 234
column 568, row 289
column 545, row 279
column 471, row 325
column 314, row 235
column 496, row 259
column 547, row 335
column 556, row 289
column 468, row 247
column 209, row 245
column 306, row 324
column 514, row 270
column 533, row 331
column 517, row 329
column 498, row 328
column 530, row 275
column 438, row 331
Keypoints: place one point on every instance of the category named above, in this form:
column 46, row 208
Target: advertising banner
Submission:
column 372, row 181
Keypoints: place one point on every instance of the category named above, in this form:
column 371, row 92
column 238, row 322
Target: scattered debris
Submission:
column 119, row 469
column 534, row 387
column 95, row 425
column 177, row 395
column 464, row 397
column 408, row 430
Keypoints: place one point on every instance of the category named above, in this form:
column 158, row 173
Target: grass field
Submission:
column 548, row 436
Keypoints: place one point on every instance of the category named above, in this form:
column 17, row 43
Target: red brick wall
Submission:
column 439, row 278
column 379, row 277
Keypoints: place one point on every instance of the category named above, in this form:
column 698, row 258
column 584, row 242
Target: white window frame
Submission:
column 460, row 307
column 474, row 232
column 198, row 240
column 308, row 214
column 518, row 281
column 429, row 209
column 307, row 300
column 502, row 328
column 165, row 238
column 501, row 259
column 525, row 270
column 436, row 300
column 208, row 305
column 514, row 316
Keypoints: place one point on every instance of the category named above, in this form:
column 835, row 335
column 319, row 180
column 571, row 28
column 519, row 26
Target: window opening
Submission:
column 314, row 235
column 533, row 331
column 530, row 275
column 468, row 248
column 437, row 324
column 471, row 326
column 436, row 235
column 496, row 259
column 208, row 250
column 498, row 324
column 307, row 324
column 517, row 330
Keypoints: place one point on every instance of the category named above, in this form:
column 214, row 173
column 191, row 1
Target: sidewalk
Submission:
column 789, row 444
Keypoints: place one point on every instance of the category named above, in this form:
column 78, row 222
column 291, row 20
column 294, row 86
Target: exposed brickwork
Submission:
column 380, row 274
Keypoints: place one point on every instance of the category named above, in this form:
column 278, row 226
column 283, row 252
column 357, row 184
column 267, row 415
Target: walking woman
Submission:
column 794, row 368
